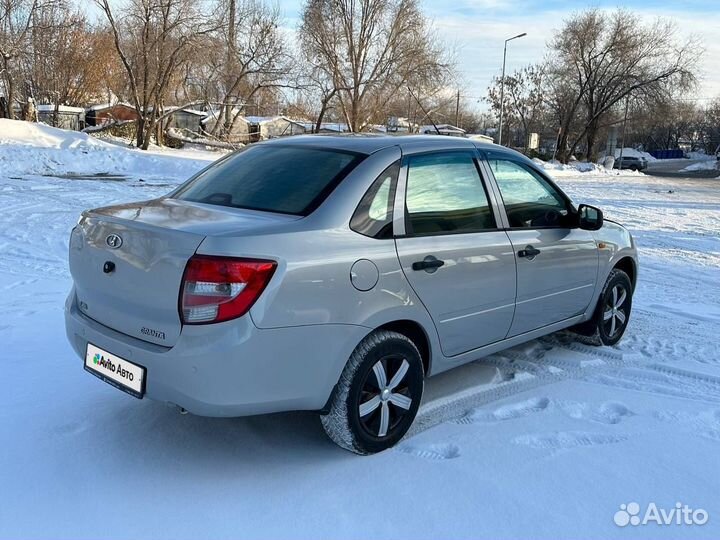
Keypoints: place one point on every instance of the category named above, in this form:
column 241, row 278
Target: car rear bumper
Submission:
column 231, row 368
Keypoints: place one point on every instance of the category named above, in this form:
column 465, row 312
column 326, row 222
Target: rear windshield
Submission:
column 284, row 179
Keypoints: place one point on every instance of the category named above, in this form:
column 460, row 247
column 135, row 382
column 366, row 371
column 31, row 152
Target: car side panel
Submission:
column 614, row 244
column 471, row 298
column 556, row 284
column 316, row 256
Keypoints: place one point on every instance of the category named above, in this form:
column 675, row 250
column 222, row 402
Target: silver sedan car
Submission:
column 335, row 274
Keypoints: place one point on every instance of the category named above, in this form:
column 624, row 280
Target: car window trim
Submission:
column 498, row 205
column 394, row 186
column 487, row 156
column 402, row 227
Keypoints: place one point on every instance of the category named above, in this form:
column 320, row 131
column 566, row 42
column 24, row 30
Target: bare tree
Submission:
column 66, row 60
column 152, row 39
column 709, row 127
column 663, row 124
column 52, row 54
column 524, row 103
column 597, row 60
column 16, row 20
column 368, row 50
column 250, row 57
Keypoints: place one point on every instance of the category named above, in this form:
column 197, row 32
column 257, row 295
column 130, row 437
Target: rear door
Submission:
column 557, row 263
column 457, row 260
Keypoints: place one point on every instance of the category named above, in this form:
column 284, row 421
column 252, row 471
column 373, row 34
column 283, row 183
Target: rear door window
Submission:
column 273, row 178
column 445, row 194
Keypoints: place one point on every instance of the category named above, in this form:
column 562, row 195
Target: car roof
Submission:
column 366, row 143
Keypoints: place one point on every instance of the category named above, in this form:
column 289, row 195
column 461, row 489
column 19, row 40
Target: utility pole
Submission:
column 622, row 137
column 557, row 142
column 408, row 111
column 457, row 109
column 502, row 85
column 230, row 60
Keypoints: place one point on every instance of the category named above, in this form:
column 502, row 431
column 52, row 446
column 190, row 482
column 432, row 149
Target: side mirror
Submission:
column 589, row 217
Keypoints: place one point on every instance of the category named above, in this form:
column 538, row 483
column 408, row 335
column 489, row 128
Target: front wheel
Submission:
column 378, row 394
column 612, row 313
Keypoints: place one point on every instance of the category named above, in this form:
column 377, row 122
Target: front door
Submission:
column 457, row 260
column 557, row 263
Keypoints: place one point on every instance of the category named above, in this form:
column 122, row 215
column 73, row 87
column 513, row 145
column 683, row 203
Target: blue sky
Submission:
column 477, row 29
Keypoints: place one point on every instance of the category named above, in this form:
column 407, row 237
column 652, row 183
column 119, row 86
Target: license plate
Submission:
column 112, row 369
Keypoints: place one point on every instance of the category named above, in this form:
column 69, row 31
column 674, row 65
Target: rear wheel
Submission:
column 612, row 313
column 378, row 395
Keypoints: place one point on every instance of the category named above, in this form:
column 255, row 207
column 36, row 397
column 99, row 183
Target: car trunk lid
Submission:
column 128, row 261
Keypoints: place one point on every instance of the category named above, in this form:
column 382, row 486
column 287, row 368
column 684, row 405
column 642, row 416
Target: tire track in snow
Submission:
column 457, row 406
column 662, row 380
column 433, row 452
column 567, row 440
column 603, row 365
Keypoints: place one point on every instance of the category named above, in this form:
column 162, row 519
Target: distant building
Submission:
column 443, row 129
column 240, row 131
column 107, row 113
column 327, row 127
column 62, row 116
column 271, row 127
column 480, row 137
column 399, row 124
column 186, row 120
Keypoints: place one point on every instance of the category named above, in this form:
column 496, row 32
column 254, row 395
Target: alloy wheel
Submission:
column 385, row 397
column 615, row 313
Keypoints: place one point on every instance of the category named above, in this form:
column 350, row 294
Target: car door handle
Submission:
column 429, row 264
column 529, row 252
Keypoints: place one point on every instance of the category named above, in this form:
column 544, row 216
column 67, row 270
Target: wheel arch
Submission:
column 411, row 329
column 415, row 332
column 627, row 265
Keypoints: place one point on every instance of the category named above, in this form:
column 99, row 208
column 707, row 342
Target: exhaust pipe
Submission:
column 180, row 409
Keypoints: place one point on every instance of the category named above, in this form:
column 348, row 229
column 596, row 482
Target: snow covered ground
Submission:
column 545, row 440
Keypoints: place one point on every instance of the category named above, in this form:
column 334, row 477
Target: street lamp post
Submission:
column 502, row 85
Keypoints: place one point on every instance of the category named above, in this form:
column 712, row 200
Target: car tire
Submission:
column 378, row 395
column 612, row 313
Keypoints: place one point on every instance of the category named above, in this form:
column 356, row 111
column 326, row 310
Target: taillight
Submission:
column 216, row 289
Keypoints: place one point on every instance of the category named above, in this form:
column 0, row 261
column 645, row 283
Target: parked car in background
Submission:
column 631, row 162
column 335, row 274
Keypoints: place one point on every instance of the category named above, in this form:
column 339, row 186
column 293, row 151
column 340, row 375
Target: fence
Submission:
column 667, row 154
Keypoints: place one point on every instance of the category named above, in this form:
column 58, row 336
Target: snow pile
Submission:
column 556, row 168
column 699, row 154
column 37, row 149
column 707, row 165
